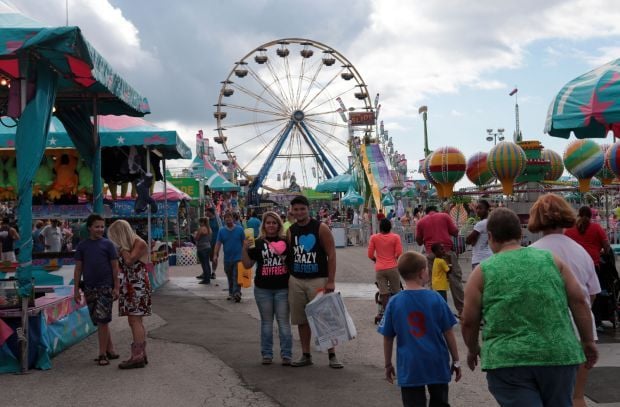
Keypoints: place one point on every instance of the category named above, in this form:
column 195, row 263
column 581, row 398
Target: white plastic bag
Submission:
column 329, row 321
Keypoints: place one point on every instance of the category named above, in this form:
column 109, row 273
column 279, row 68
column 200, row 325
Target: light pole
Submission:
column 493, row 135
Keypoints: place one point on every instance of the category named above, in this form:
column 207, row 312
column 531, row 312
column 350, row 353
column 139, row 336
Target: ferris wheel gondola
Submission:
column 283, row 111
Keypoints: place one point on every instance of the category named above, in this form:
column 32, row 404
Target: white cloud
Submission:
column 104, row 25
column 456, row 113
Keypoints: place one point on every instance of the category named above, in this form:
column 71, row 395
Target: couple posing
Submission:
column 289, row 272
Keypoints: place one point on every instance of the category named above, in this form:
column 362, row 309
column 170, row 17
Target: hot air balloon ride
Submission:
column 557, row 165
column 605, row 175
column 506, row 161
column 583, row 159
column 446, row 166
column 477, row 169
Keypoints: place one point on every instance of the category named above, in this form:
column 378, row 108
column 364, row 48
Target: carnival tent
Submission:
column 171, row 193
column 339, row 183
column 114, row 131
column 587, row 105
column 47, row 68
column 202, row 168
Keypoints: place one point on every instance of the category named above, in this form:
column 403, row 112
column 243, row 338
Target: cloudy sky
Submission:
column 460, row 58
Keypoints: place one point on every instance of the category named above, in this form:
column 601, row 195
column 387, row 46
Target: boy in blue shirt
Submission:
column 96, row 259
column 422, row 324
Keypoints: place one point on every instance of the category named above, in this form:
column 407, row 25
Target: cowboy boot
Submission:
column 137, row 357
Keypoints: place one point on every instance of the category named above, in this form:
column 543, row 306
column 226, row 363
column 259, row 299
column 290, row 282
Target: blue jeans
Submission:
column 230, row 268
column 274, row 303
column 533, row 386
column 205, row 263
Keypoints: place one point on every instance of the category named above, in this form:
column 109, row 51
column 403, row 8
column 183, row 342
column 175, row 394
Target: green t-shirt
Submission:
column 526, row 314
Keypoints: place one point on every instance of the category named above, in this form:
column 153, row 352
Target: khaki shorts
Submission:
column 391, row 276
column 300, row 292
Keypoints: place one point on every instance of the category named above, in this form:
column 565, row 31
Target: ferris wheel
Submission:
column 283, row 115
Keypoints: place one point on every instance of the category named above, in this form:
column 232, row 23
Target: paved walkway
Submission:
column 204, row 351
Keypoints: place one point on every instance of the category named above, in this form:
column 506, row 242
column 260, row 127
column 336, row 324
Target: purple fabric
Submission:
column 379, row 167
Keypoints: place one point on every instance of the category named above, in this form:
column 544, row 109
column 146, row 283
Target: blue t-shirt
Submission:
column 254, row 223
column 214, row 224
column 418, row 319
column 96, row 257
column 232, row 240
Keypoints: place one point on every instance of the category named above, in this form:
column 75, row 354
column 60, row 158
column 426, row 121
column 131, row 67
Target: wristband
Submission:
column 456, row 364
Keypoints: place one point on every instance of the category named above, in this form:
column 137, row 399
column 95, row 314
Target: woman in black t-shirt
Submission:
column 271, row 285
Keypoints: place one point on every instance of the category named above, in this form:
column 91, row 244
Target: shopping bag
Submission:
column 244, row 276
column 329, row 321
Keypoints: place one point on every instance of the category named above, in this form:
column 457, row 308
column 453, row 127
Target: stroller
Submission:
column 605, row 305
column 382, row 301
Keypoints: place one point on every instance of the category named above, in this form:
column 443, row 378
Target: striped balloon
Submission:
column 478, row 170
column 583, row 159
column 506, row 162
column 446, row 166
column 426, row 170
column 605, row 175
column 612, row 158
column 557, row 166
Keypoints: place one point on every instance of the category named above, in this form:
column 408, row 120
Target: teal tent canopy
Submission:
column 339, row 183
column 352, row 198
column 46, row 68
column 588, row 106
column 388, row 200
column 114, row 131
column 201, row 167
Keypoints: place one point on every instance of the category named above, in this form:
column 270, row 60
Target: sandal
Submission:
column 102, row 360
column 109, row 355
column 112, row 355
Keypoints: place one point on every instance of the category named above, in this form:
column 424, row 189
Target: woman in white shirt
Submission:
column 550, row 214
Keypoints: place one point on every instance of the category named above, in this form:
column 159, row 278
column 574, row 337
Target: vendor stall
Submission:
column 47, row 68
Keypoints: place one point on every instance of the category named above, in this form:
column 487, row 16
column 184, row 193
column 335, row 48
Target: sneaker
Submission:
column 212, row 276
column 334, row 363
column 266, row 360
column 205, row 282
column 302, row 361
column 286, row 361
column 237, row 297
column 200, row 277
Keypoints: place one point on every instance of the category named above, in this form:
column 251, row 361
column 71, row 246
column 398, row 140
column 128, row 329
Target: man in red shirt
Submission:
column 438, row 227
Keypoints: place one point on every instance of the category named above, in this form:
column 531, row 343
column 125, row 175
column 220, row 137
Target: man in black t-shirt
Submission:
column 312, row 264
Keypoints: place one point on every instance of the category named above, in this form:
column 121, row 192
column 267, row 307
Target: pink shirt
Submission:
column 386, row 248
column 436, row 227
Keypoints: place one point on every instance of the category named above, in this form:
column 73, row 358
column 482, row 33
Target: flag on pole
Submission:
column 513, row 92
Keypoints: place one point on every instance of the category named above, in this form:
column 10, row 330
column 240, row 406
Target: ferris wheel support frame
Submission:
column 332, row 171
column 328, row 168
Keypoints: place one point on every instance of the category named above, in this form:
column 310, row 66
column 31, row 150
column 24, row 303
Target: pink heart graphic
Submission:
column 278, row 247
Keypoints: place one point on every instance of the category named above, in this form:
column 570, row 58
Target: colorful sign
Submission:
column 124, row 209
column 362, row 118
column 188, row 185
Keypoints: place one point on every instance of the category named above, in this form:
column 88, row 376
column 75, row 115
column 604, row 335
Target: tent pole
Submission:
column 166, row 205
column 24, row 340
column 148, row 215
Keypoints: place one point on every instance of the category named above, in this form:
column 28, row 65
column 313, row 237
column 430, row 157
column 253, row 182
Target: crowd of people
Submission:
column 532, row 355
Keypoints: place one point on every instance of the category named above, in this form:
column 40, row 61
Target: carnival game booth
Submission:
column 171, row 209
column 43, row 69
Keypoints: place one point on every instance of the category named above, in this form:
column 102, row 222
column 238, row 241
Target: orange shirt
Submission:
column 386, row 248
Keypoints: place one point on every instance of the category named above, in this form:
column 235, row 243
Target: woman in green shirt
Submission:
column 529, row 349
